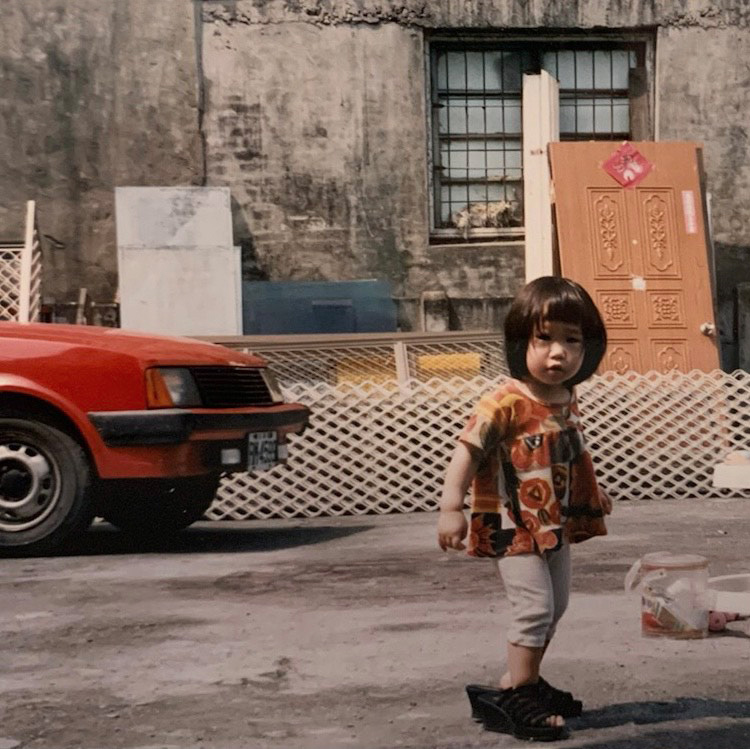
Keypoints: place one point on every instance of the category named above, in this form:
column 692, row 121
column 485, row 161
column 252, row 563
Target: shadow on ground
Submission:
column 222, row 538
column 722, row 737
column 726, row 736
column 683, row 708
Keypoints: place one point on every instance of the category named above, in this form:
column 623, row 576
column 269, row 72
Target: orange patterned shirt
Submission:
column 535, row 483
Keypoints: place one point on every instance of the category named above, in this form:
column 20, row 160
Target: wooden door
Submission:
column 640, row 251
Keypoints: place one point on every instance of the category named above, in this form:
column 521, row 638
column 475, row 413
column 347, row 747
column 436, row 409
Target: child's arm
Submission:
column 452, row 526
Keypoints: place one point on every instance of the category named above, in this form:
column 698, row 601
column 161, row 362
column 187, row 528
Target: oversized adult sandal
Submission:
column 558, row 701
column 521, row 713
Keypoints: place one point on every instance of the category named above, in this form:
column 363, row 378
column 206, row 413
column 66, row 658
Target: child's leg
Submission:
column 523, row 665
column 559, row 571
column 528, row 586
column 559, row 567
column 558, row 563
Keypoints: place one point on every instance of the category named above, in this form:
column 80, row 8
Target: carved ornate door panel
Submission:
column 640, row 251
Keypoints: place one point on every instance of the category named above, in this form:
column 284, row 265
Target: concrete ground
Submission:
column 350, row 632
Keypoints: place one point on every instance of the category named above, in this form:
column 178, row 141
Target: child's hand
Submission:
column 605, row 502
column 452, row 529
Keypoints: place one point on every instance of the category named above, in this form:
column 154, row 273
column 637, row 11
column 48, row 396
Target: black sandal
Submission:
column 560, row 702
column 474, row 692
column 521, row 713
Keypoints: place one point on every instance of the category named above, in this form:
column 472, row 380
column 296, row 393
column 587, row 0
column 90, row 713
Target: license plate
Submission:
column 262, row 451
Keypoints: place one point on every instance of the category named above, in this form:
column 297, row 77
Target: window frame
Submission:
column 642, row 43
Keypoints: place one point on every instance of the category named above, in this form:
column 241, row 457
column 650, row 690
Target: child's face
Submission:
column 555, row 352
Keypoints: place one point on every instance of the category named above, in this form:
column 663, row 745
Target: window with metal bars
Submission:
column 477, row 124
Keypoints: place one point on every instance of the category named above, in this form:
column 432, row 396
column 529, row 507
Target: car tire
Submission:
column 154, row 507
column 45, row 488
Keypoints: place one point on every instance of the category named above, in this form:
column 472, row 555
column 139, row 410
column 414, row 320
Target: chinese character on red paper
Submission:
column 627, row 165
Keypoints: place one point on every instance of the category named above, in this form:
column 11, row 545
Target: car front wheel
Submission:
column 154, row 507
column 45, row 483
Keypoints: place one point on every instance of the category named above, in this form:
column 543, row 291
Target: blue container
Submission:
column 273, row 307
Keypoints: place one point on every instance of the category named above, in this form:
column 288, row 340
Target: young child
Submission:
column 533, row 494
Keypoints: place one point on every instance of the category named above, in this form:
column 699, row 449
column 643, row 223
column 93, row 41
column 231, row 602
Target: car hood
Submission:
column 147, row 347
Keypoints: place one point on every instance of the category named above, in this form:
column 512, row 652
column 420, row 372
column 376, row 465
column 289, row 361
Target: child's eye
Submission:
column 574, row 339
column 543, row 336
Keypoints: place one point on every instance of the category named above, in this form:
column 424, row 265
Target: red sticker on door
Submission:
column 627, row 165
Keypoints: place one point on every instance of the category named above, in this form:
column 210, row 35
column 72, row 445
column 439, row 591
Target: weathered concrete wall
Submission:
column 313, row 91
column 315, row 117
column 92, row 95
column 327, row 161
column 713, row 107
column 324, row 155
column 548, row 14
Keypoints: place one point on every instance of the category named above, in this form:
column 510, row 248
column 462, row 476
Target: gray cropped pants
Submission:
column 538, row 588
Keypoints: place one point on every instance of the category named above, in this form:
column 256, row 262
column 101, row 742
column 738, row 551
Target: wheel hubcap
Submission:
column 28, row 486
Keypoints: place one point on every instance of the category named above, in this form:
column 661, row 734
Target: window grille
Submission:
column 594, row 102
column 477, row 134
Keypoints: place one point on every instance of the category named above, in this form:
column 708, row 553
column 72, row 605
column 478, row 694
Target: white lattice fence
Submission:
column 660, row 435
column 21, row 274
column 352, row 363
column 10, row 280
column 383, row 447
column 356, row 360
column 369, row 448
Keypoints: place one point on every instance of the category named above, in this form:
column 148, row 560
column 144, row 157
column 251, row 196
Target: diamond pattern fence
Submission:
column 10, row 280
column 374, row 358
column 380, row 444
column 21, row 274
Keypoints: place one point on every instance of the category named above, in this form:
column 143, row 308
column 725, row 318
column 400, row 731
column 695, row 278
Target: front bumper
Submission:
column 174, row 426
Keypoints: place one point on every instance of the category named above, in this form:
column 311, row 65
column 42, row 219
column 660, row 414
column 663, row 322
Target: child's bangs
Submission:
column 565, row 308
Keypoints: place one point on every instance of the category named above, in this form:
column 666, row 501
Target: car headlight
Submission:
column 273, row 385
column 171, row 387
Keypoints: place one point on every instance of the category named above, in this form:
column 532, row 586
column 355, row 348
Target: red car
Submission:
column 134, row 428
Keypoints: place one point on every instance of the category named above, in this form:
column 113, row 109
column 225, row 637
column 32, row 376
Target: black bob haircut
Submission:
column 560, row 300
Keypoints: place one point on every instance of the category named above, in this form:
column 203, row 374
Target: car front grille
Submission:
column 231, row 387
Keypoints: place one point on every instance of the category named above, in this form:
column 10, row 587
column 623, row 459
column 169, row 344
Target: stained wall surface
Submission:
column 92, row 95
column 314, row 113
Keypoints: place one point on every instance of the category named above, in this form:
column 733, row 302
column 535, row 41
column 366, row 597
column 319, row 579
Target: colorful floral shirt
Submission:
column 535, row 483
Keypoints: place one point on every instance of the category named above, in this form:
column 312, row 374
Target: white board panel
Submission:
column 173, row 217
column 179, row 271
column 179, row 291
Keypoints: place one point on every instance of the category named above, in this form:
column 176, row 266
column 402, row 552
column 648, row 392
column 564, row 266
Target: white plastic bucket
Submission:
column 674, row 594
